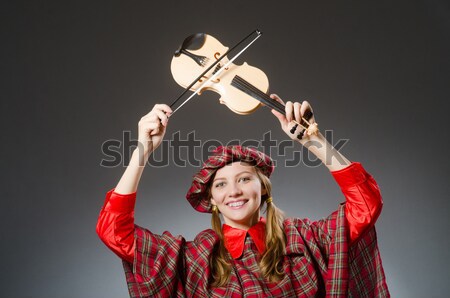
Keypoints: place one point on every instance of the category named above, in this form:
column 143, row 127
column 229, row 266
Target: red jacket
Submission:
column 115, row 225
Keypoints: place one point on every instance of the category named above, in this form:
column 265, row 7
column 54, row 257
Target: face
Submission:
column 236, row 190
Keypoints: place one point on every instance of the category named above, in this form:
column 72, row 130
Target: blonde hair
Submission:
column 270, row 264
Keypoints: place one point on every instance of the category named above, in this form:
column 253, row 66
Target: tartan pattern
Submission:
column 221, row 157
column 366, row 270
column 317, row 263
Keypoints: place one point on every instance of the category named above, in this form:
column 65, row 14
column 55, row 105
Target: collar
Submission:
column 235, row 238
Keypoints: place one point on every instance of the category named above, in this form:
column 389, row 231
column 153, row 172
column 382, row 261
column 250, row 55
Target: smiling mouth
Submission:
column 237, row 204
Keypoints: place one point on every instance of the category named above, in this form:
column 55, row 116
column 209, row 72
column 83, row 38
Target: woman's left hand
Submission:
column 294, row 112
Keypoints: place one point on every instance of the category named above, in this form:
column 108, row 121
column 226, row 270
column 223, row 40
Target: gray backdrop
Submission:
column 76, row 74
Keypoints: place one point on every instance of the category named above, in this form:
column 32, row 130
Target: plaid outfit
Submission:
column 334, row 257
column 318, row 263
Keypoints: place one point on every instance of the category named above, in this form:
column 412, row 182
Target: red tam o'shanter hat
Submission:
column 197, row 194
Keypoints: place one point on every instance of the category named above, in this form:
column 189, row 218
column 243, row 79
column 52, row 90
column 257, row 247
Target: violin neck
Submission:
column 254, row 92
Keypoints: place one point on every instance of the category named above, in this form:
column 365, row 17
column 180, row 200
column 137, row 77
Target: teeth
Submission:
column 236, row 204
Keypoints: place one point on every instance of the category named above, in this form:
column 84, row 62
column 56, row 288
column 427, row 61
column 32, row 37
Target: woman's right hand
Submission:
column 152, row 127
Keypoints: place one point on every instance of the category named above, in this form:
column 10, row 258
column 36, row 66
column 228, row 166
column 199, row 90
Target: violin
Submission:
column 243, row 88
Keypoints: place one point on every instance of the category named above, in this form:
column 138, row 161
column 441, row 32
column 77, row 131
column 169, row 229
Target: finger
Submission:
column 156, row 116
column 307, row 111
column 146, row 127
column 277, row 98
column 159, row 107
column 165, row 108
column 153, row 129
column 151, row 117
column 297, row 112
column 289, row 110
column 281, row 118
column 152, row 126
column 163, row 117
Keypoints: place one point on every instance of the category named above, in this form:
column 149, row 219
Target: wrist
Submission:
column 144, row 147
column 140, row 155
column 313, row 141
column 323, row 150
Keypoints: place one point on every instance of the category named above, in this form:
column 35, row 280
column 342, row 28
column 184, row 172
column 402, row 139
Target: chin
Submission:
column 244, row 219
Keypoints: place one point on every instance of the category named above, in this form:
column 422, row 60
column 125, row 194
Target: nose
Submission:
column 235, row 190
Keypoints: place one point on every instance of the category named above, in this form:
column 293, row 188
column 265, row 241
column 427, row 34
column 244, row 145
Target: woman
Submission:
column 248, row 256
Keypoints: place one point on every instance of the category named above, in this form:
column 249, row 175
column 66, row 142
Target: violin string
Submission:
column 273, row 103
column 263, row 96
column 266, row 99
column 251, row 90
column 219, row 71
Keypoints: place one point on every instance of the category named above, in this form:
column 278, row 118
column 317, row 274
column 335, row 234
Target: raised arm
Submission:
column 363, row 198
column 316, row 144
column 152, row 128
column 115, row 224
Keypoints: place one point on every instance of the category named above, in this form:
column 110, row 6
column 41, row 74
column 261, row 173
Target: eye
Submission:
column 244, row 179
column 219, row 184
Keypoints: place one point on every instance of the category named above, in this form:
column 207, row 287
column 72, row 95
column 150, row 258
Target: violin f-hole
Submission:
column 217, row 56
column 216, row 80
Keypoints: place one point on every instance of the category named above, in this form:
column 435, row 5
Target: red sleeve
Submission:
column 115, row 225
column 363, row 198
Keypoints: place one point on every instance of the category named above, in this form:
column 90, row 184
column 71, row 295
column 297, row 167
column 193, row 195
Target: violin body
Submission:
column 193, row 62
column 242, row 87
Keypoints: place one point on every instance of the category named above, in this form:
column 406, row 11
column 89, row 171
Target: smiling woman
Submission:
column 236, row 192
column 249, row 255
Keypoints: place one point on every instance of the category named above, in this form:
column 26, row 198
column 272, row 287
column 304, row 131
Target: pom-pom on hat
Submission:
column 197, row 194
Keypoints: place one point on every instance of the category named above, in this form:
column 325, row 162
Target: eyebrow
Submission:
column 240, row 173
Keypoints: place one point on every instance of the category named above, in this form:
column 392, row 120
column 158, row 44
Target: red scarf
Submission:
column 235, row 238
